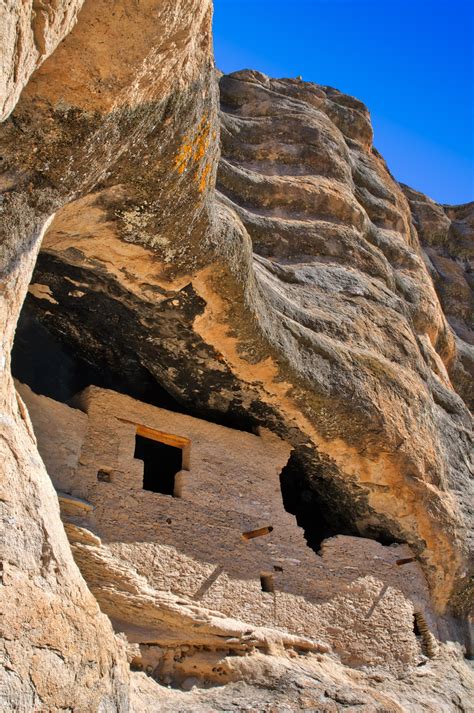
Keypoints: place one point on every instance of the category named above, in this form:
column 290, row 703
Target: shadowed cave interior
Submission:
column 318, row 508
column 51, row 367
column 47, row 361
column 312, row 512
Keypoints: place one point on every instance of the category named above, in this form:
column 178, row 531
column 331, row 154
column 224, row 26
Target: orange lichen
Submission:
column 194, row 149
column 204, row 175
column 183, row 156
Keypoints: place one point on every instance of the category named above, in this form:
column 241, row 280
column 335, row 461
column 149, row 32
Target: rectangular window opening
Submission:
column 267, row 582
column 163, row 456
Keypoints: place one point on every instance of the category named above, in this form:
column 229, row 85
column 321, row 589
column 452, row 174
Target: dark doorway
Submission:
column 266, row 582
column 161, row 463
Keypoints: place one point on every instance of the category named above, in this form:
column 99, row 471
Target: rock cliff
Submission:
column 285, row 281
column 343, row 295
column 445, row 233
column 108, row 79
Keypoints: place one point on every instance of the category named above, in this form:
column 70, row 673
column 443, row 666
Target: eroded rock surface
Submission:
column 446, row 234
column 317, row 682
column 58, row 651
column 295, row 298
column 307, row 308
column 116, row 68
column 343, row 295
column 29, row 32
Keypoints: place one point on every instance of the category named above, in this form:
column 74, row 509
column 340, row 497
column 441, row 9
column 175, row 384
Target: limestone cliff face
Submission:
column 29, row 32
column 296, row 296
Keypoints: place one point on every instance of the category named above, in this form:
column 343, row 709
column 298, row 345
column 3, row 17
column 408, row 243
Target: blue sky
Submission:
column 410, row 61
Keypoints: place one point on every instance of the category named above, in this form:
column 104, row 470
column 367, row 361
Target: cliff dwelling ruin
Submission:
column 196, row 509
column 235, row 378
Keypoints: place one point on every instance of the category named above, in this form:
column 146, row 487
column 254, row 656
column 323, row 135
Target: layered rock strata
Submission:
column 344, row 296
column 307, row 309
column 296, row 297
column 104, row 90
column 446, row 234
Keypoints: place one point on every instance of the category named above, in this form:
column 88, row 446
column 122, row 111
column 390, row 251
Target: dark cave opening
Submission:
column 320, row 509
column 416, row 630
column 161, row 463
column 51, row 368
column 267, row 583
column 304, row 501
column 104, row 476
column 104, row 337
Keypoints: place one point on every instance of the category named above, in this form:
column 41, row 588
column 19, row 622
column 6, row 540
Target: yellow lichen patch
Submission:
column 204, row 176
column 194, row 149
column 183, row 156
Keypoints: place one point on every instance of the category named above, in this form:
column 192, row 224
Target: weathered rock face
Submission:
column 306, row 307
column 29, row 32
column 58, row 650
column 343, row 295
column 346, row 360
column 446, row 234
column 296, row 298
column 316, row 682
column 113, row 76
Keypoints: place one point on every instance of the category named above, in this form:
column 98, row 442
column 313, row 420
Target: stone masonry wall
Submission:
column 192, row 546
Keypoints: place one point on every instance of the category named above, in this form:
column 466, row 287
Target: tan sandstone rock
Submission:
column 296, row 298
column 58, row 650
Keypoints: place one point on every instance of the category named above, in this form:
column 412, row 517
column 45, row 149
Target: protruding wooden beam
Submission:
column 257, row 533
